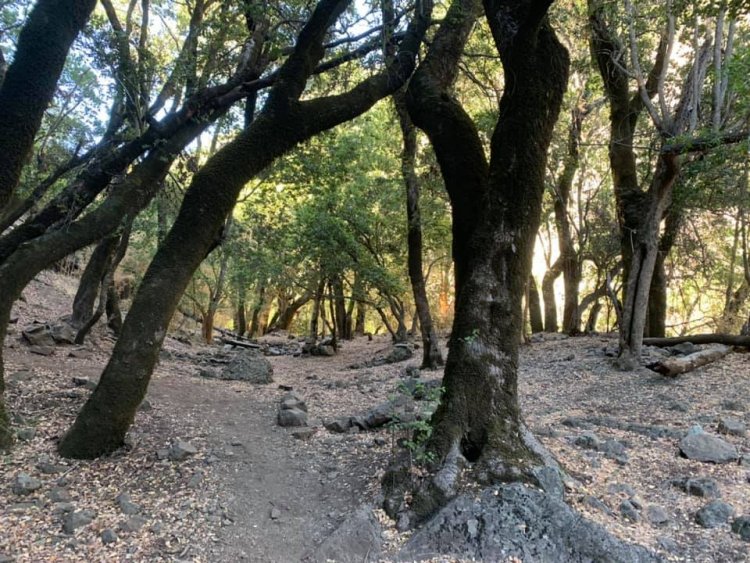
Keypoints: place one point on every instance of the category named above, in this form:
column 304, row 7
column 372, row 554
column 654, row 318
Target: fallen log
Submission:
column 240, row 343
column 672, row 367
column 726, row 339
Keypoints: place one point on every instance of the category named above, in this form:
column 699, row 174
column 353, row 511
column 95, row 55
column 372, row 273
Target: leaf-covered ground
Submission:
column 255, row 492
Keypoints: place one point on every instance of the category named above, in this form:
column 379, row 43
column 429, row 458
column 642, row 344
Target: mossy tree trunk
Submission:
column 496, row 214
column 31, row 80
column 284, row 122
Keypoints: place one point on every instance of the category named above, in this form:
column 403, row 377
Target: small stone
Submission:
column 380, row 441
column 596, row 504
column 127, row 506
column 668, row 545
column 275, row 513
column 58, row 494
column 304, row 434
column 629, row 511
column 63, row 508
column 145, row 406
column 705, row 487
column 156, row 528
column 741, row 526
column 621, row 489
column 196, row 479
column 181, row 450
column 733, row 405
column 162, row 453
column 588, row 441
column 714, row 514
column 108, row 536
column 656, row 515
column 292, row 417
column 26, row 434
column 701, row 446
column 24, row 484
column 48, row 468
column 731, row 426
column 338, row 425
column 132, row 524
column 74, row 520
column 80, row 354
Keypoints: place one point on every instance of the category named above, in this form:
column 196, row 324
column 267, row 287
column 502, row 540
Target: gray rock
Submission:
column 621, row 489
column 132, row 524
column 325, row 350
column 162, row 453
column 196, row 479
column 24, row 484
column 84, row 382
column 181, row 450
column 741, row 527
column 517, row 521
column 248, row 366
column 304, row 434
column 401, row 408
column 127, row 506
column 714, row 514
column 45, row 466
column 59, row 494
column 63, row 333
column 108, row 536
column 74, row 520
column 596, row 504
column 700, row 446
column 292, row 401
column 339, row 425
column 356, row 540
column 400, row 353
column 731, row 426
column 42, row 350
column 63, row 507
column 656, row 515
column 705, row 487
column 26, row 434
column 587, row 441
column 145, row 406
column 38, row 335
column 630, row 511
column 292, row 417
column 683, row 349
column 734, row 405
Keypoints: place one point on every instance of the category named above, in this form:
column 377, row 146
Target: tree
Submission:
column 284, row 122
column 30, row 81
column 496, row 213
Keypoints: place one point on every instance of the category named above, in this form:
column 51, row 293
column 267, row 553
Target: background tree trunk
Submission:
column 535, row 309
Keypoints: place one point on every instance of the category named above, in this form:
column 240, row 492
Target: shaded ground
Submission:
column 254, row 492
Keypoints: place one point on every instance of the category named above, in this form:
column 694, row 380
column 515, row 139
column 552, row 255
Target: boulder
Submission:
column 714, row 514
column 339, row 425
column 74, row 520
column 705, row 487
column 63, row 333
column 515, row 521
column 701, row 446
column 741, row 527
column 656, row 515
column 181, row 450
column 127, row 506
column 356, row 540
column 731, row 426
column 24, row 484
column 292, row 417
column 38, row 335
column 248, row 366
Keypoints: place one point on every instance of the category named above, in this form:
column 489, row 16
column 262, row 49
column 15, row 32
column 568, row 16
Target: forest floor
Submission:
column 255, row 492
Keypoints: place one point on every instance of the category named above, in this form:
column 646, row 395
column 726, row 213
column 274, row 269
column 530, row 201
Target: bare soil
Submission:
column 254, row 492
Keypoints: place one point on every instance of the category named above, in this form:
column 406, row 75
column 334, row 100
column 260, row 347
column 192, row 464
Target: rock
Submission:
column 181, row 450
column 162, row 453
column 714, row 514
column 400, row 353
column 42, row 350
column 419, row 389
column 63, row 333
column 59, row 494
column 683, row 349
column 357, row 539
column 514, row 521
column 127, row 506
column 700, row 446
column 339, row 425
column 305, row 434
column 63, row 507
column 38, row 335
column 733, row 405
column 85, row 382
column 275, row 513
column 24, row 484
column 208, row 373
column 621, row 489
column 324, row 350
column 656, row 515
column 196, row 479
column 731, row 426
column 145, row 406
column 629, row 511
column 597, row 504
column 108, row 536
column 292, row 401
column 587, row 441
column 292, row 417
column 132, row 524
column 74, row 520
column 80, row 353
column 26, row 434
column 248, row 366
column 400, row 408
column 705, row 487
column 741, row 527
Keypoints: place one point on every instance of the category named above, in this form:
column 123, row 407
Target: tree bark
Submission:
column 31, row 80
column 495, row 216
column 255, row 327
column 91, row 281
column 548, row 295
column 431, row 356
column 283, row 123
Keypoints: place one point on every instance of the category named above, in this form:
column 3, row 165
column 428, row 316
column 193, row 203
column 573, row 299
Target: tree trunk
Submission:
column 479, row 415
column 114, row 314
column 91, row 281
column 283, row 123
column 548, row 295
column 255, row 327
column 593, row 317
column 535, row 310
column 359, row 319
column 337, row 288
column 431, row 356
column 317, row 301
column 657, row 300
column 240, row 325
column 31, row 80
